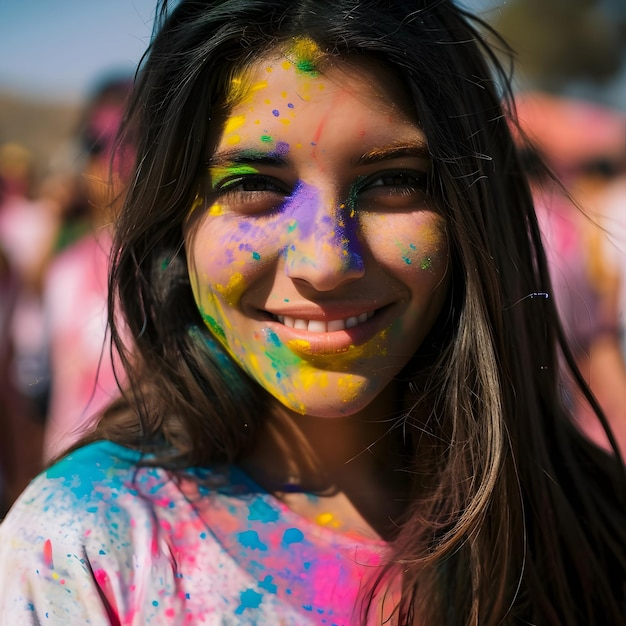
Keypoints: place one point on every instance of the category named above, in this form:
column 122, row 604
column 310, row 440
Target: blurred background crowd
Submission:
column 59, row 191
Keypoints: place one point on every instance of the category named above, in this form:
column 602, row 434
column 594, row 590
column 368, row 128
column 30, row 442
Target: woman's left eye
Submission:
column 392, row 190
column 404, row 180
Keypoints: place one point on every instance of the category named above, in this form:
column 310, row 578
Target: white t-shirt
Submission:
column 96, row 539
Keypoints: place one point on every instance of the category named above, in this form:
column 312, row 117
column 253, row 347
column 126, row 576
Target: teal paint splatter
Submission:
column 250, row 539
column 272, row 338
column 250, row 599
column 292, row 535
column 407, row 260
column 268, row 585
column 260, row 511
column 256, row 256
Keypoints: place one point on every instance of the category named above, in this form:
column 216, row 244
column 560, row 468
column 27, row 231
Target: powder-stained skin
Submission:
column 332, row 263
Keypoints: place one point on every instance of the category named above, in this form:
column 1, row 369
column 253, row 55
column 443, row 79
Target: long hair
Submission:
column 521, row 520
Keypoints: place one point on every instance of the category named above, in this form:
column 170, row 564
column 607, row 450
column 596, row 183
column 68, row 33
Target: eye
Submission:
column 393, row 189
column 250, row 194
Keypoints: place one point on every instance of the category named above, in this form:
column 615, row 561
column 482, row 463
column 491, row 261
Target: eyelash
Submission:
column 257, row 194
column 413, row 181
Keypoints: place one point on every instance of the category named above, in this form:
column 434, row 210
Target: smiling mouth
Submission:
column 322, row 326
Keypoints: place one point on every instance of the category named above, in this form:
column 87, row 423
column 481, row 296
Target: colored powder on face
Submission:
column 347, row 238
column 350, row 387
column 281, row 149
column 242, row 89
column 427, row 263
column 218, row 173
column 303, row 201
column 214, row 327
column 233, row 123
column 275, row 112
column 343, row 360
column 256, row 256
column 232, row 292
column 266, row 139
column 216, row 210
column 353, row 194
column 305, row 55
column 272, row 338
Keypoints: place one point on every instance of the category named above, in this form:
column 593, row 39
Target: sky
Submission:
column 57, row 49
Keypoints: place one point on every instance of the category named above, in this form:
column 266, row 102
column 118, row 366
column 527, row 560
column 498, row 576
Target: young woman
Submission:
column 343, row 395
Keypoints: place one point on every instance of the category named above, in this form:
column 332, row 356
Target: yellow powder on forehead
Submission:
column 233, row 123
column 242, row 88
column 305, row 55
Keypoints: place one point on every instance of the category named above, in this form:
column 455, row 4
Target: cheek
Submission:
column 414, row 245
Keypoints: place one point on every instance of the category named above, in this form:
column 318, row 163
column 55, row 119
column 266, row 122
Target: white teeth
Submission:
column 316, row 326
column 336, row 325
column 351, row 322
column 319, row 326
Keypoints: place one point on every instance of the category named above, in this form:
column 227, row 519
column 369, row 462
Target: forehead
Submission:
column 301, row 70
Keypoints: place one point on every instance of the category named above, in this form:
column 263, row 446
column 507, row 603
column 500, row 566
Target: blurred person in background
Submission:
column 26, row 234
column 75, row 286
column 583, row 145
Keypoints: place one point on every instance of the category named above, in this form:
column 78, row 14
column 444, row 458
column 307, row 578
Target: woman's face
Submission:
column 316, row 258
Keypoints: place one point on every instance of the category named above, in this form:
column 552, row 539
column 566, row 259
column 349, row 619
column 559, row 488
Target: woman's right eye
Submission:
column 250, row 183
column 251, row 194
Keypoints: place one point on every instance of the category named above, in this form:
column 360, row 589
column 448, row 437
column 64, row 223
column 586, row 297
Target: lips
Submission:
column 324, row 326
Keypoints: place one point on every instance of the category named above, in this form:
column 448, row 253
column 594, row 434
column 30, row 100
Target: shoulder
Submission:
column 63, row 532
column 66, row 493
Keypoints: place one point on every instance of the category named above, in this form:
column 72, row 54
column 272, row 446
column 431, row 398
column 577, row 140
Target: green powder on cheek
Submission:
column 214, row 327
column 426, row 263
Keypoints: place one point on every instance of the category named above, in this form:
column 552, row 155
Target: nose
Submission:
column 323, row 249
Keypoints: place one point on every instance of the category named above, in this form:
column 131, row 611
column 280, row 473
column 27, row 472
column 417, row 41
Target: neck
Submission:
column 356, row 461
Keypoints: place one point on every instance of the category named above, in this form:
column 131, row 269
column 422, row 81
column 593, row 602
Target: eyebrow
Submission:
column 376, row 155
column 273, row 158
column 246, row 157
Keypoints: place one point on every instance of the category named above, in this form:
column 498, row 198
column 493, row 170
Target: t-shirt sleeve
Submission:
column 45, row 573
